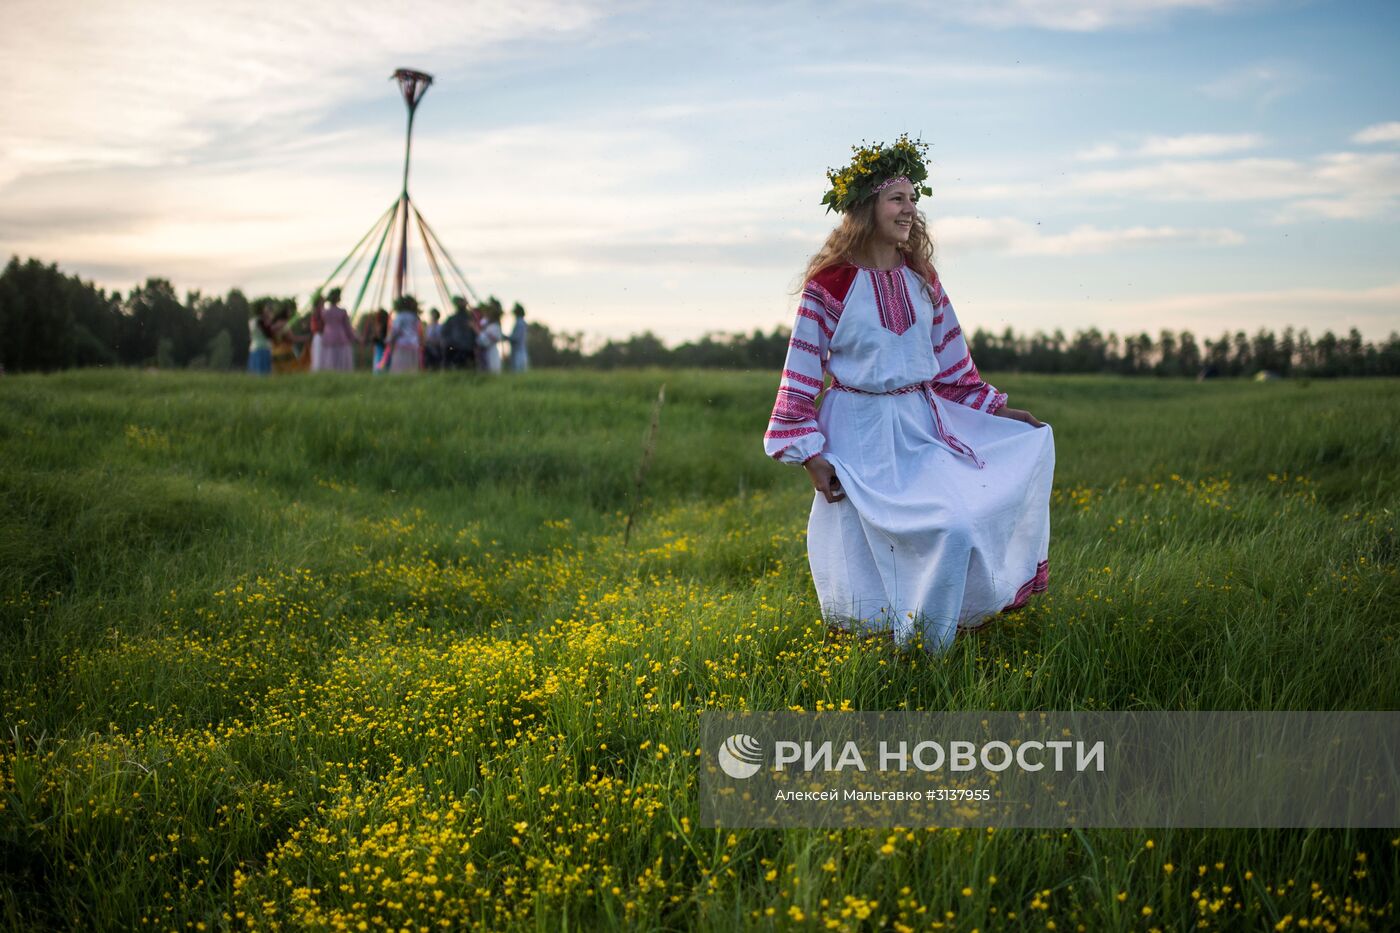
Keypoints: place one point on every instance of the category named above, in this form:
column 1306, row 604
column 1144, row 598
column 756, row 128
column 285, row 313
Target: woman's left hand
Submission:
column 1020, row 414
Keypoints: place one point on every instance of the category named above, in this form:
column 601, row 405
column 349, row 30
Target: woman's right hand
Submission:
column 1021, row 415
column 824, row 479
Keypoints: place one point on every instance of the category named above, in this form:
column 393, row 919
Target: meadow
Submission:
column 352, row 652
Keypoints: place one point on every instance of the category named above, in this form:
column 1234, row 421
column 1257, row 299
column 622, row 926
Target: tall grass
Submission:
column 318, row 651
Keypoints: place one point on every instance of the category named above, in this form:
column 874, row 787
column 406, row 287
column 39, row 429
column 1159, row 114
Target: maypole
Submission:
column 413, row 85
column 386, row 244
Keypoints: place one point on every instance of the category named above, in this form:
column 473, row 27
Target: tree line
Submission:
column 50, row 320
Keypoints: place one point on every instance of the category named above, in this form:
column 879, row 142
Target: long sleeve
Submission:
column 398, row 330
column 347, row 335
column 958, row 379
column 792, row 435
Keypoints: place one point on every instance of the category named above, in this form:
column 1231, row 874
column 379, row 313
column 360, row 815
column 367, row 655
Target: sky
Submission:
column 1135, row 165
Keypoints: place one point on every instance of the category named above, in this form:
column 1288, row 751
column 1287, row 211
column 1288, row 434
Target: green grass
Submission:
column 316, row 651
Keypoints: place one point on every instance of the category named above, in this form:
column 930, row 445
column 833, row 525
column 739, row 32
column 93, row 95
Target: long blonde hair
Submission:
column 852, row 235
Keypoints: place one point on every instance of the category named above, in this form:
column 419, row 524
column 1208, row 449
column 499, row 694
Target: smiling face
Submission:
column 894, row 213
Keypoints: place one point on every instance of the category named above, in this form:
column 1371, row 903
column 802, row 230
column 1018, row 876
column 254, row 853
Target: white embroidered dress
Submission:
column 490, row 342
column 405, row 349
column 946, row 519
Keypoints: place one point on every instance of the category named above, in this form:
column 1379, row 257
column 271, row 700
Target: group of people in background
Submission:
column 469, row 339
column 273, row 344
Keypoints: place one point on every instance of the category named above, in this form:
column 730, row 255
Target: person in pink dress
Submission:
column 338, row 338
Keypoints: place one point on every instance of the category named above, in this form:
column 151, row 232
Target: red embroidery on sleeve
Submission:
column 954, row 368
column 947, row 339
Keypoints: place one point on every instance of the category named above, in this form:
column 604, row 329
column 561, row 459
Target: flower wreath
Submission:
column 875, row 166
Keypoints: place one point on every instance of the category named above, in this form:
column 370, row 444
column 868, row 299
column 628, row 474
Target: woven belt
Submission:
column 949, row 439
column 902, row 390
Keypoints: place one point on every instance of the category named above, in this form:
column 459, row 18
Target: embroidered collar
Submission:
column 892, row 299
column 893, row 268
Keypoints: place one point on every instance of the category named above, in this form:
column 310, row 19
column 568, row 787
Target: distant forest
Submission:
column 50, row 321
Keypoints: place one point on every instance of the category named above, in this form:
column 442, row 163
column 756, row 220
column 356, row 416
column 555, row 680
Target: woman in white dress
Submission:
column 318, row 326
column 931, row 511
column 403, row 348
column 490, row 342
column 519, row 337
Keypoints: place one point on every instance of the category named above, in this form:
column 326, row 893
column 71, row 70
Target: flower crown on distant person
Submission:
column 874, row 168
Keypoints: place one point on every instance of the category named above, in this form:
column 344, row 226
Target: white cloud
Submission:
column 938, row 72
column 1102, row 152
column 1335, row 185
column 1088, row 239
column 1020, row 238
column 1075, row 15
column 1186, row 146
column 1379, row 133
column 1351, row 186
column 1339, row 185
column 1357, row 299
column 149, row 82
column 1261, row 83
column 975, row 193
column 1198, row 144
column 558, row 233
column 1234, row 180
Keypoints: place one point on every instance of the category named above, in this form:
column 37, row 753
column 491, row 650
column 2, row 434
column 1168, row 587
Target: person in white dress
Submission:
column 931, row 511
column 318, row 326
column 490, row 342
column 519, row 352
column 404, row 347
